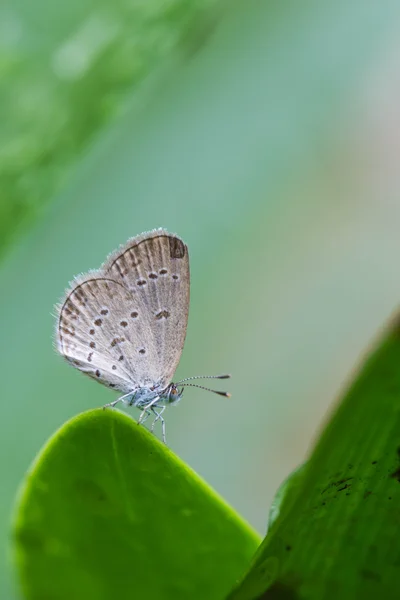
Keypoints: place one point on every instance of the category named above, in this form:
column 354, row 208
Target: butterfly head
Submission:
column 173, row 393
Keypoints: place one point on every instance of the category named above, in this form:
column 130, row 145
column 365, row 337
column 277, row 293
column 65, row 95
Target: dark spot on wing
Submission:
column 98, row 322
column 98, row 373
column 71, row 306
column 153, row 276
column 91, row 331
column 71, row 312
column 176, row 248
column 175, row 277
column 109, row 290
column 135, row 262
column 163, row 271
column 116, row 341
column 134, row 314
column 120, row 269
column 141, row 282
column 92, row 345
column 90, row 356
column 81, row 296
column 163, row 314
column 124, row 323
column 104, row 311
column 70, row 332
column 121, row 358
column 142, row 351
column 114, row 367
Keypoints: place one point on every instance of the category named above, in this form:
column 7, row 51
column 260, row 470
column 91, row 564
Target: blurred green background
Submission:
column 267, row 135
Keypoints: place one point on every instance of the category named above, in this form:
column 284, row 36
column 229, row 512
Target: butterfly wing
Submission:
column 154, row 267
column 101, row 330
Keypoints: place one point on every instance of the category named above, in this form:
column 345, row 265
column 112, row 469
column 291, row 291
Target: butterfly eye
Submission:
column 174, row 394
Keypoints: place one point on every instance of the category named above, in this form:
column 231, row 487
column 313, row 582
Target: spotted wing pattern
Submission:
column 155, row 267
column 125, row 324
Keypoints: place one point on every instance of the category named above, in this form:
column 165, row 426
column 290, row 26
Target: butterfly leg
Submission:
column 159, row 417
column 146, row 409
column 112, row 404
column 120, row 399
column 144, row 419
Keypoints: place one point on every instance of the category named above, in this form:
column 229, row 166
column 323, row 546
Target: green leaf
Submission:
column 108, row 511
column 286, row 493
column 64, row 102
column 334, row 532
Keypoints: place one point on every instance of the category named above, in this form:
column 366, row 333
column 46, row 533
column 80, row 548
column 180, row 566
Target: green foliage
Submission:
column 108, row 511
column 61, row 86
column 334, row 529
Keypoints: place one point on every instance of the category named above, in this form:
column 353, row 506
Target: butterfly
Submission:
column 125, row 324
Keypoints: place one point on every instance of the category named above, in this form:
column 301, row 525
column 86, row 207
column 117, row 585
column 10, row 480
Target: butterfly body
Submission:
column 153, row 396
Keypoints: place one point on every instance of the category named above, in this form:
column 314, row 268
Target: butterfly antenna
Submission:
column 225, row 394
column 203, row 377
